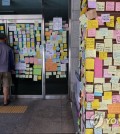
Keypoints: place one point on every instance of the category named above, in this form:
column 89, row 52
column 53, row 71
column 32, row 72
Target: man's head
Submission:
column 3, row 37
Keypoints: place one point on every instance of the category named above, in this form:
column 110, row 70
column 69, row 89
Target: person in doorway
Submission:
column 6, row 66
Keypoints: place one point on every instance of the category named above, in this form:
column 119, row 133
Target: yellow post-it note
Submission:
column 103, row 55
column 32, row 44
column 39, row 77
column 65, row 45
column 1, row 28
column 118, row 20
column 111, row 116
column 28, row 44
column 89, row 76
column 88, row 131
column 107, row 96
column 111, row 23
column 38, row 38
column 89, row 63
column 90, row 42
column 92, row 24
column 95, row 104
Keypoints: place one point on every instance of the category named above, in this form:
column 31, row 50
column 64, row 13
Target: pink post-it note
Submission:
column 91, row 4
column 98, row 68
column 110, row 6
column 89, row 114
column 106, row 74
column 91, row 32
column 118, row 39
column 89, row 97
column 27, row 60
column 31, row 60
column 117, row 6
column 116, row 98
column 100, row 20
column 35, row 61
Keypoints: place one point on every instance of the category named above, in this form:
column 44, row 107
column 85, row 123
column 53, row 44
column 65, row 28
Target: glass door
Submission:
column 56, row 60
column 25, row 38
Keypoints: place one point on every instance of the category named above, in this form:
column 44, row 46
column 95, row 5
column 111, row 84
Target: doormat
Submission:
column 13, row 109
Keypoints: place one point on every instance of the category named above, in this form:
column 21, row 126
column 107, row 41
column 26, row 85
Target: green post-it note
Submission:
column 37, row 71
column 37, row 66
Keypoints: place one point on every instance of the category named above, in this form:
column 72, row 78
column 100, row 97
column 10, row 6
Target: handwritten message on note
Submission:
column 116, row 98
column 100, row 6
column 117, row 6
column 91, row 32
column 99, row 47
column 111, row 23
column 99, row 20
column 105, row 17
column 89, row 97
column 92, row 24
column 90, row 42
column 110, row 6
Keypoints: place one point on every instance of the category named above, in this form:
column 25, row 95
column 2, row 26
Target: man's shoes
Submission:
column 8, row 102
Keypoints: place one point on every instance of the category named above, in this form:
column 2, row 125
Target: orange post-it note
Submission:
column 47, row 33
column 51, row 66
column 114, row 108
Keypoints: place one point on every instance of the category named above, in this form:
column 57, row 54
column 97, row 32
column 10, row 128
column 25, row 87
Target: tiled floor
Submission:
column 42, row 116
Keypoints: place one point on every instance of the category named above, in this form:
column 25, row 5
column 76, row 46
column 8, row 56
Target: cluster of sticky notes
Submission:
column 100, row 66
column 26, row 42
column 56, row 51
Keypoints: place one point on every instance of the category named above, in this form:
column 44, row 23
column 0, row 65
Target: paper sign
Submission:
column 57, row 23
column 89, row 76
column 100, row 6
column 92, row 24
column 91, row 14
column 109, row 6
column 98, row 68
column 90, row 42
column 91, row 32
column 108, row 45
column 89, row 97
column 89, row 64
column 105, row 17
column 117, row 6
column 106, row 74
column 103, row 55
column 114, row 108
column 91, row 4
column 99, row 47
column 89, row 114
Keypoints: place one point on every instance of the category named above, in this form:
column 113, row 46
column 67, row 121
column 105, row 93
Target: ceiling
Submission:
column 49, row 8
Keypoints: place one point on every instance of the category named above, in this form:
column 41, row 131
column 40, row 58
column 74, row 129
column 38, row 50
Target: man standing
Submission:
column 6, row 66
